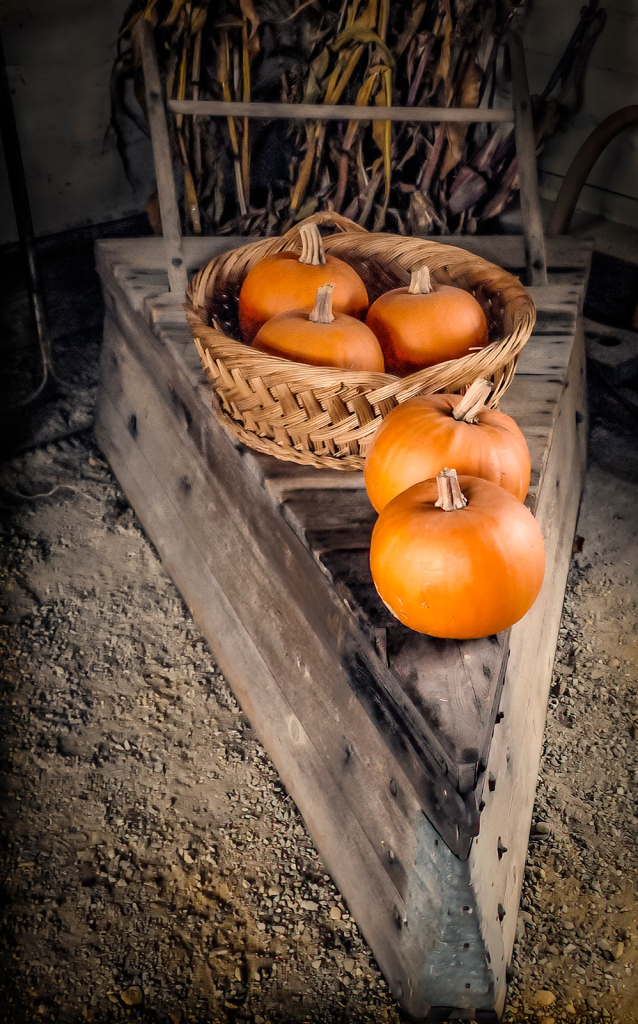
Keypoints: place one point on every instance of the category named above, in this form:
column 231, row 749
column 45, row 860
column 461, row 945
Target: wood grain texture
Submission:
column 372, row 857
column 156, row 114
column 146, row 255
column 535, row 257
column 279, row 578
column 247, row 540
column 336, row 112
column 516, row 745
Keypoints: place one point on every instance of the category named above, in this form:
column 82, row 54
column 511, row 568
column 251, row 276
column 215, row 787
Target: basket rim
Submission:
column 197, row 308
column 325, row 416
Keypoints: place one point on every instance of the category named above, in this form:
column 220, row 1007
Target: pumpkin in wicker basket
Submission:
column 325, row 416
column 320, row 337
column 424, row 324
column 286, row 281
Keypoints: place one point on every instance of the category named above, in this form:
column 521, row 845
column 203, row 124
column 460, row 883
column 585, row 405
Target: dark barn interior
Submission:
column 155, row 865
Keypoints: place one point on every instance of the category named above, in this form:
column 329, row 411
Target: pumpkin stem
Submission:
column 451, row 498
column 321, row 312
column 473, row 401
column 311, row 245
column 420, row 282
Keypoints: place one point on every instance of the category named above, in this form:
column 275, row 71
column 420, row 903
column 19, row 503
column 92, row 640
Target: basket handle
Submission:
column 291, row 239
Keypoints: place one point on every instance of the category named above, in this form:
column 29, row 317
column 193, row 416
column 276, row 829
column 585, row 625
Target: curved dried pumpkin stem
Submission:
column 322, row 310
column 473, row 401
column 420, row 282
column 451, row 498
column 311, row 245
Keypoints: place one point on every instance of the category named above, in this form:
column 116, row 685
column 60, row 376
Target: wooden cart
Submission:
column 412, row 760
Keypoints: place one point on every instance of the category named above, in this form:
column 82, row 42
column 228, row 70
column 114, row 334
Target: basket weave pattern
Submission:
column 326, row 416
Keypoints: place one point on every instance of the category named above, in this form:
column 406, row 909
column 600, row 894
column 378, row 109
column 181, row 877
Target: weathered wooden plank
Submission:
column 456, row 685
column 309, row 511
column 449, row 945
column 516, row 746
column 401, row 948
column 140, row 287
column 167, row 308
column 558, row 308
column 147, row 254
column 354, row 863
column 337, row 112
column 279, row 624
column 531, row 401
column 286, row 584
column 156, row 114
column 535, row 259
column 285, row 478
column 546, row 354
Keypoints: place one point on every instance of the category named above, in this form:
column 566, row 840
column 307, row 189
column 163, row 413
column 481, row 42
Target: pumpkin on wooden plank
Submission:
column 286, row 281
column 321, row 337
column 457, row 557
column 426, row 323
column 423, row 435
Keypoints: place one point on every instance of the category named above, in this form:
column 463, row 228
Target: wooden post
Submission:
column 527, row 173
column 156, row 112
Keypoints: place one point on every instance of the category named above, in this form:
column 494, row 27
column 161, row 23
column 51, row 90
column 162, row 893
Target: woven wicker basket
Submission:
column 325, row 416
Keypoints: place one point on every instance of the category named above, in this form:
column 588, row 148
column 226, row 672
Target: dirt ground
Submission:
column 152, row 866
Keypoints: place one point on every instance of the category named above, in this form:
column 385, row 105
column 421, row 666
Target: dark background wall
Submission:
column 60, row 54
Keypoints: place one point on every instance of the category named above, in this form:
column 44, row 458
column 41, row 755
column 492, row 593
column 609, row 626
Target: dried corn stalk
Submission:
column 258, row 177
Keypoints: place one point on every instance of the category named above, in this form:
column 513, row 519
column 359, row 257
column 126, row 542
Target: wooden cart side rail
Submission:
column 521, row 115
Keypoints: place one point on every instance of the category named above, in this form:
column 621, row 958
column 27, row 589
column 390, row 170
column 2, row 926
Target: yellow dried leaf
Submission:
column 198, row 19
column 364, row 35
column 181, row 85
column 411, row 28
column 320, row 63
column 250, row 14
column 471, row 86
column 362, row 100
column 443, row 66
column 384, row 14
column 367, row 19
column 174, row 13
column 348, row 72
column 252, row 18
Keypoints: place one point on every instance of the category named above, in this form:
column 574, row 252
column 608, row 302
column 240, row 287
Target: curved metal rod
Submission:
column 582, row 164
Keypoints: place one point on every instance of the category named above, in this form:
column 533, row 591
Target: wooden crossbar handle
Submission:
column 337, row 112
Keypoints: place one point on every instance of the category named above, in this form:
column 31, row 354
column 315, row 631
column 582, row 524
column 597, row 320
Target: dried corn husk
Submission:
column 244, row 176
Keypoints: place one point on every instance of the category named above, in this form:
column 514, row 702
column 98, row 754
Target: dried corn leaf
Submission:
column 176, row 9
column 364, row 35
column 245, row 147
column 367, row 19
column 181, row 85
column 412, row 27
column 252, row 18
column 348, row 72
column 442, row 72
column 198, row 20
column 456, row 133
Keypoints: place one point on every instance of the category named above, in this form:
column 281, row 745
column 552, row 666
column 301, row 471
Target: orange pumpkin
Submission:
column 457, row 557
column 320, row 337
column 422, row 435
column 287, row 281
column 426, row 323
